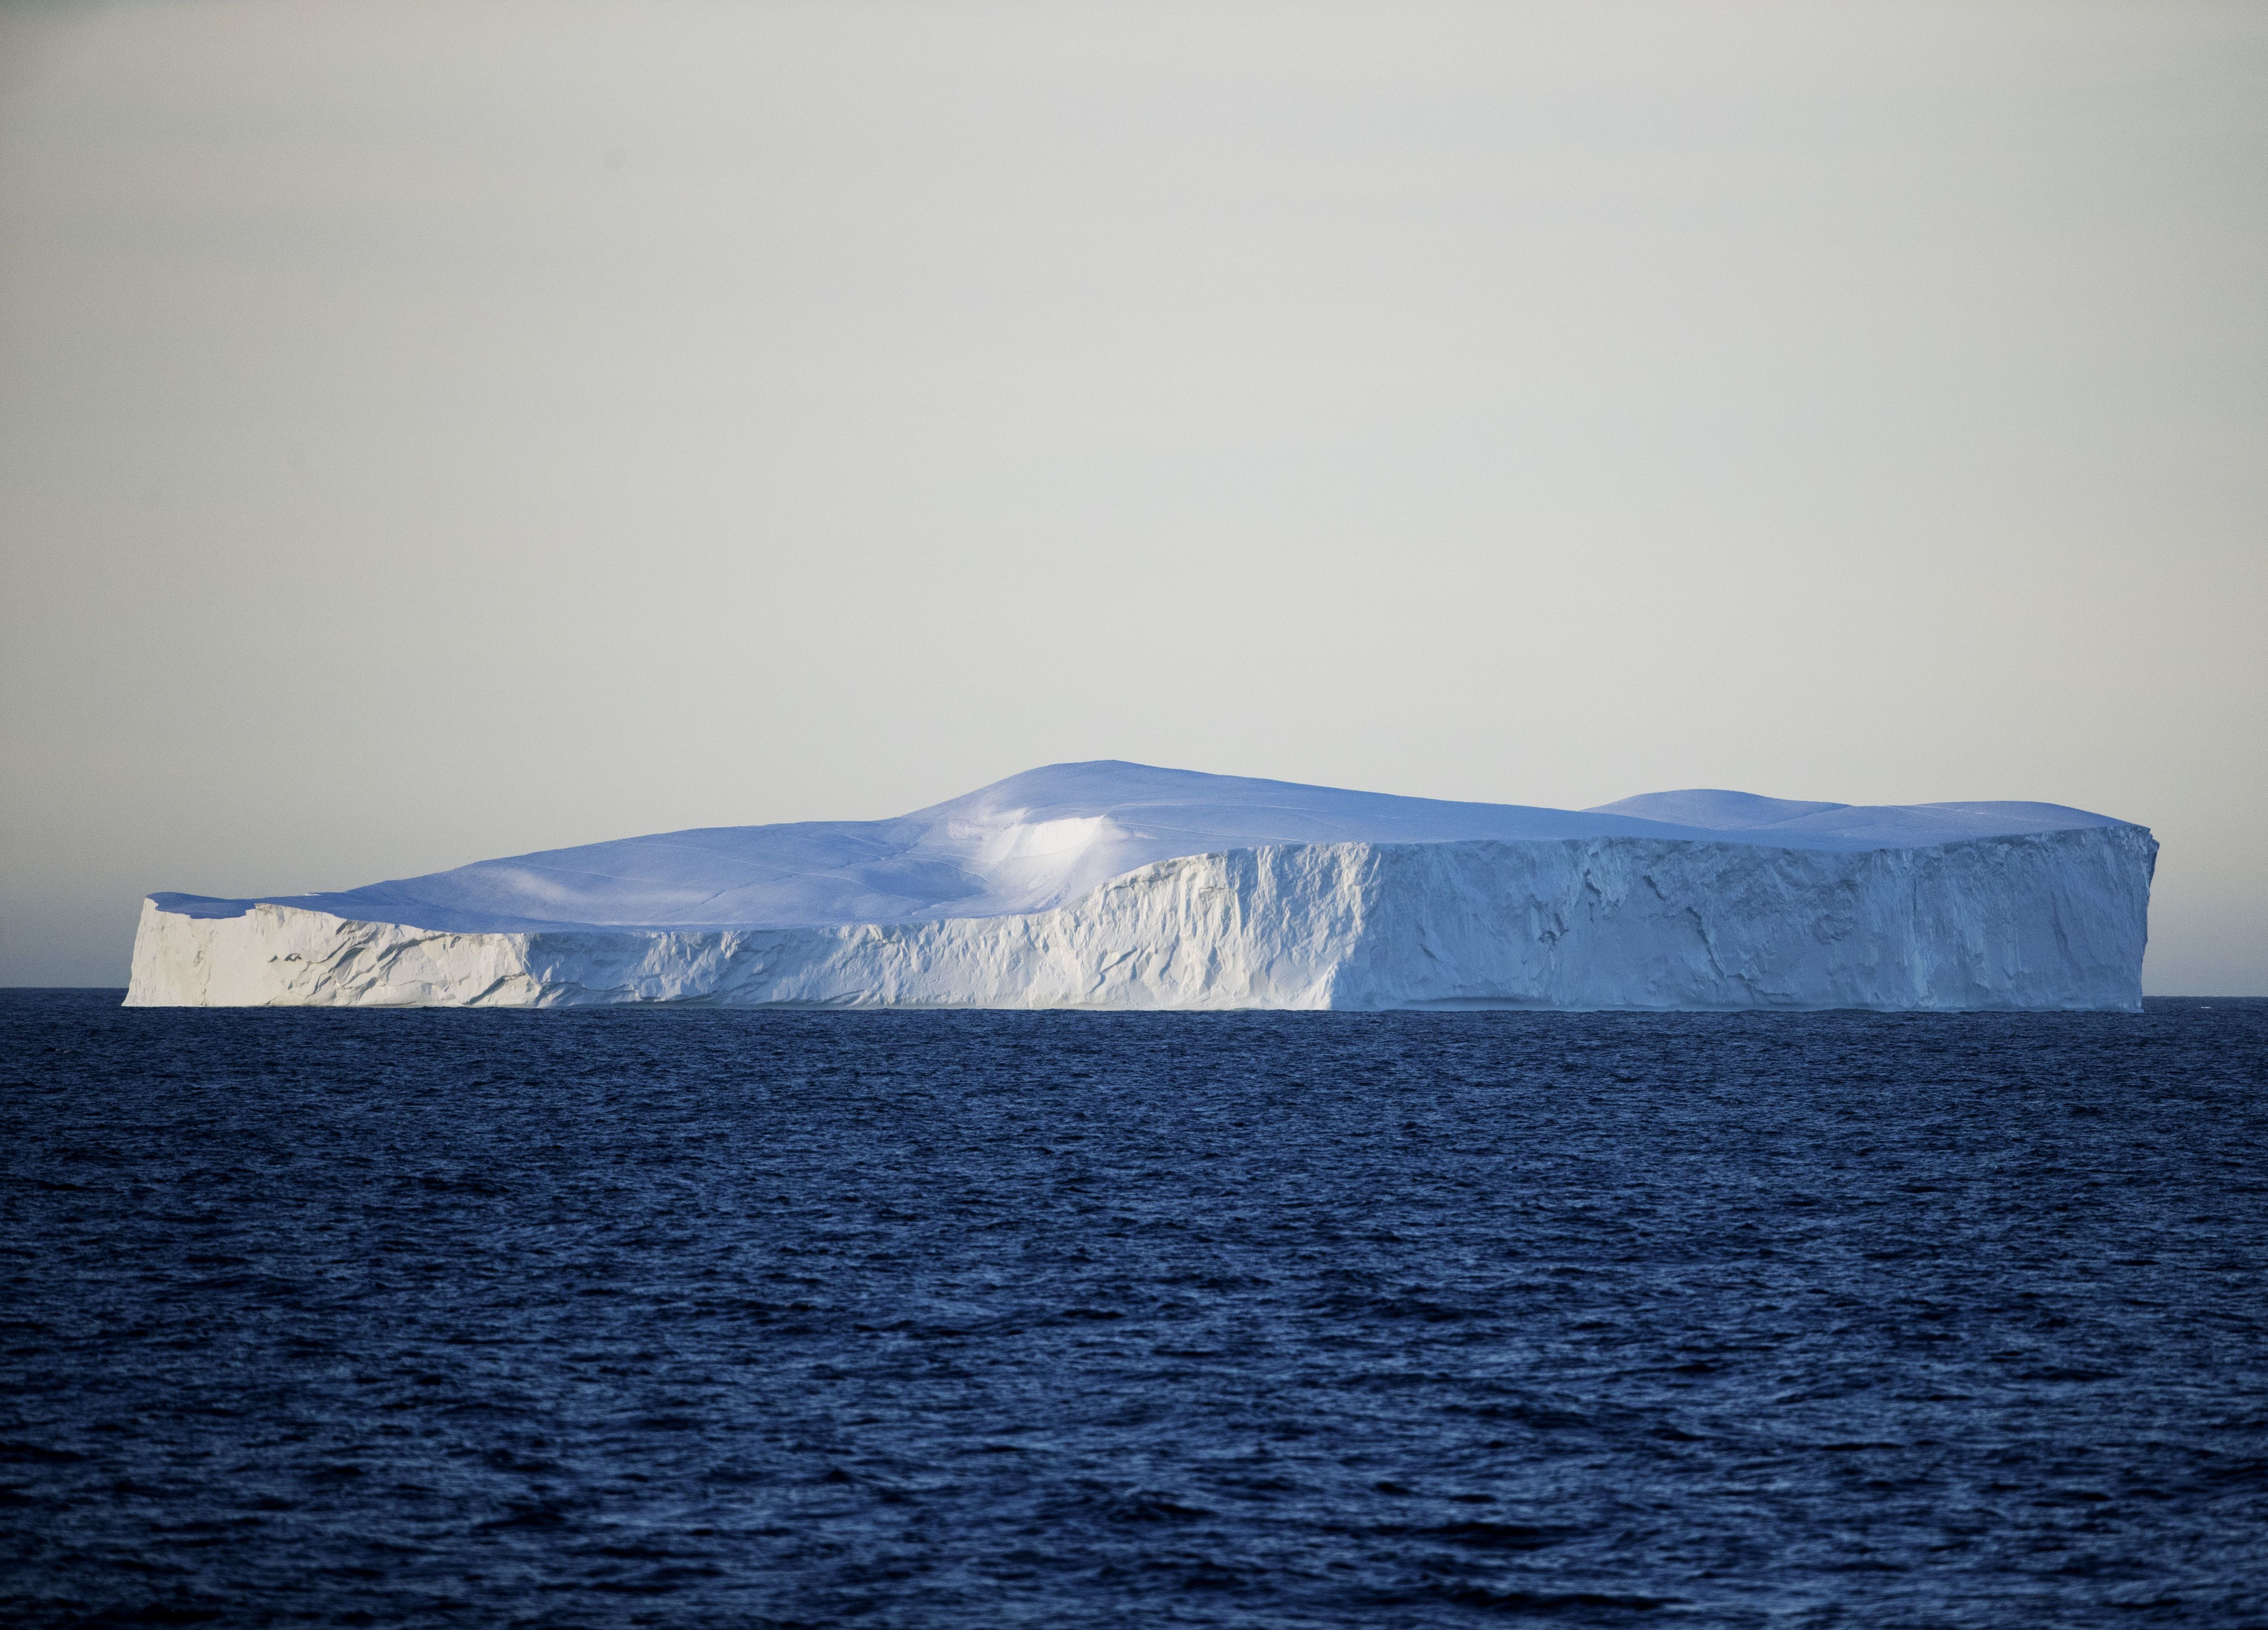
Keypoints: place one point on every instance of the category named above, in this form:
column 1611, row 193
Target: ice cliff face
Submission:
column 1119, row 886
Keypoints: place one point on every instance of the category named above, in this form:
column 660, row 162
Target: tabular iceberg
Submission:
column 1120, row 886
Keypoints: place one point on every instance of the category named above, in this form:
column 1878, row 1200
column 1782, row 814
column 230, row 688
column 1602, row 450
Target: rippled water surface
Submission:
column 981, row 1319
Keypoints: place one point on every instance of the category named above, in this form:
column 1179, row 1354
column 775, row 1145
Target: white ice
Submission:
column 1115, row 885
column 1039, row 840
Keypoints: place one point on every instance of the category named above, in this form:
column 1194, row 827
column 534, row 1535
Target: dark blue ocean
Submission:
column 703, row 1317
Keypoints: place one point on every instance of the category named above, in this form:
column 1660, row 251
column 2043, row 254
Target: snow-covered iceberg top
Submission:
column 1044, row 839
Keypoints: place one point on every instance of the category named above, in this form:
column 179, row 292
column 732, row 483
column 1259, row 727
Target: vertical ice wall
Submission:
column 2054, row 919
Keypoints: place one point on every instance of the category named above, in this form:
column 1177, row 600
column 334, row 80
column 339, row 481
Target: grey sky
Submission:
column 432, row 431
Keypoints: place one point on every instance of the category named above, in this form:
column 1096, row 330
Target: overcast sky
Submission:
column 434, row 432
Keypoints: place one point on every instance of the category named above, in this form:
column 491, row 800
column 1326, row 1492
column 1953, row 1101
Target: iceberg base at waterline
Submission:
column 1117, row 886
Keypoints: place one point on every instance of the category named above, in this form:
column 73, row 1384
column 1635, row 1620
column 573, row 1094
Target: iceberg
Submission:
column 1110, row 885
